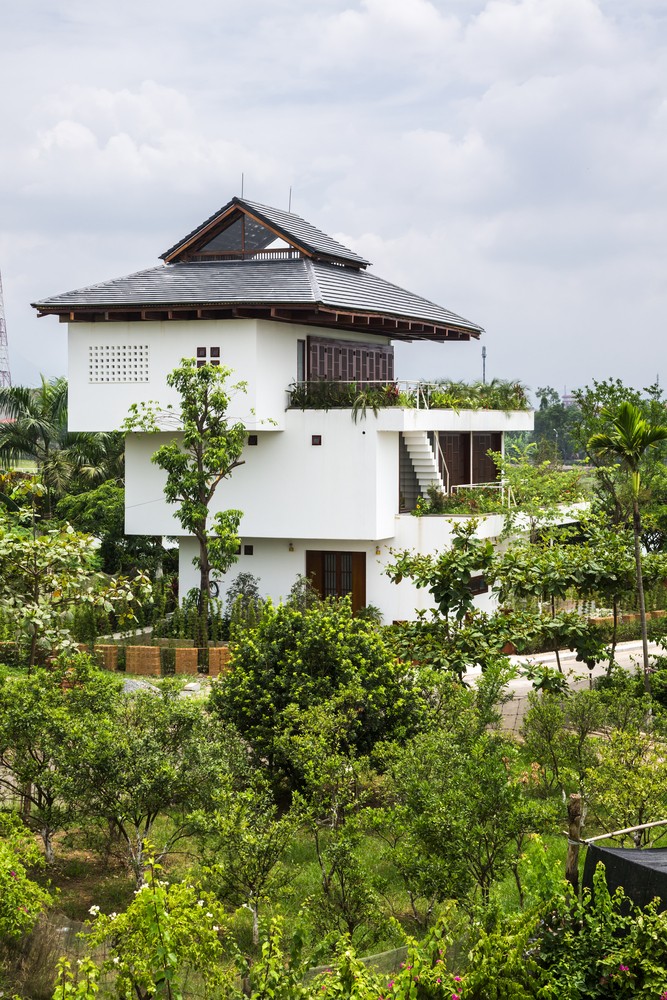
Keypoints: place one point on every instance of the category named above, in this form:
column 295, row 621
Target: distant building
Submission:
column 290, row 310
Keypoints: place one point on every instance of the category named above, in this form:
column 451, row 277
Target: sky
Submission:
column 505, row 158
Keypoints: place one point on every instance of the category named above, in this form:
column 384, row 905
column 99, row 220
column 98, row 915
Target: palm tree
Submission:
column 629, row 438
column 35, row 428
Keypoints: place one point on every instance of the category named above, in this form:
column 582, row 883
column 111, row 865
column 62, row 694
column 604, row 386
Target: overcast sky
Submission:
column 505, row 158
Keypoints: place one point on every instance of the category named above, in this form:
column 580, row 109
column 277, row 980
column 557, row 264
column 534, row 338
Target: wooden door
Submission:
column 337, row 574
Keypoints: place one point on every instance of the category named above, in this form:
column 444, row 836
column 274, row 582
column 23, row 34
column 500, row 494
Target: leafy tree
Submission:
column 535, row 491
column 628, row 784
column 554, row 423
column 448, row 574
column 303, row 658
column 205, row 451
column 42, row 719
column 153, row 753
column 36, row 429
column 335, row 782
column 243, row 843
column 101, row 512
column 628, row 437
column 167, row 934
column 46, row 574
column 21, row 898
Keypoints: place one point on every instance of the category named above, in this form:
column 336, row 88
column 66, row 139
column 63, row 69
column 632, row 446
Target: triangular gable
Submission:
column 243, row 229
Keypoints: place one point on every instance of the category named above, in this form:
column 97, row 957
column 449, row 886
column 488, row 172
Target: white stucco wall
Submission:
column 278, row 568
column 347, row 487
column 261, row 353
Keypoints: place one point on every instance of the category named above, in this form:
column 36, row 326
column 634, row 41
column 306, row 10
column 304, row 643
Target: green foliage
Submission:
column 21, row 899
column 167, row 934
column 45, row 575
column 42, row 720
column 555, row 425
column 243, row 842
column 206, row 450
column 304, row 657
column 148, row 754
column 448, row 574
column 101, row 512
column 498, row 394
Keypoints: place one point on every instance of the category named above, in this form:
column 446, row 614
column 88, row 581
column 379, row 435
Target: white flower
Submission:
column 215, row 928
column 210, row 916
column 94, row 910
column 200, row 902
column 116, row 960
column 112, row 916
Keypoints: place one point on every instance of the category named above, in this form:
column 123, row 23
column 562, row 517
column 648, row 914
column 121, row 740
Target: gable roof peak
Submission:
column 244, row 228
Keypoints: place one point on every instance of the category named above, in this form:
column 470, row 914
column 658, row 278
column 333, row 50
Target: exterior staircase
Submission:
column 423, row 460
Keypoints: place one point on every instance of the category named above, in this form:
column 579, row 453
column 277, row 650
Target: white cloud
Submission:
column 507, row 158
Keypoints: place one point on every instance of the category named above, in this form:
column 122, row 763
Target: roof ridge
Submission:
column 312, row 278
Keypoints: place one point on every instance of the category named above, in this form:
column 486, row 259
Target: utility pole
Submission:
column 5, row 374
column 484, row 365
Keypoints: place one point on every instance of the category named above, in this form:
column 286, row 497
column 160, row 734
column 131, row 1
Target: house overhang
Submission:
column 383, row 324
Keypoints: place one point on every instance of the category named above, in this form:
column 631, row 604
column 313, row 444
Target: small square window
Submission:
column 215, row 352
column 248, row 550
column 201, row 352
column 316, row 439
column 252, row 439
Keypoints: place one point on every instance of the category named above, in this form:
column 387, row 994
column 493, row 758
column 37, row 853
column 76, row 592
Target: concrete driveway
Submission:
column 628, row 655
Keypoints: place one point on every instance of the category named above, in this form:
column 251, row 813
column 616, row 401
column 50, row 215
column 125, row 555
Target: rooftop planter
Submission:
column 499, row 394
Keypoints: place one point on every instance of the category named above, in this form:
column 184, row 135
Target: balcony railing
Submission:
column 366, row 394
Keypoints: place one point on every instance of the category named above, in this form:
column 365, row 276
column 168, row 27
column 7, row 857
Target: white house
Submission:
column 291, row 311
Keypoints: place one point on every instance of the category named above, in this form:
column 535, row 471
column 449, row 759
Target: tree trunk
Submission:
column 614, row 636
column 636, row 524
column 49, row 855
column 574, row 833
column 556, row 649
column 201, row 639
column 254, row 906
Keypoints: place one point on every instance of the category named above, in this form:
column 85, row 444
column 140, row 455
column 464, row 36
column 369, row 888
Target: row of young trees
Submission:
column 389, row 776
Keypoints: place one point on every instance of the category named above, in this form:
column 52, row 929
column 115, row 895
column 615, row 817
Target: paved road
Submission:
column 628, row 655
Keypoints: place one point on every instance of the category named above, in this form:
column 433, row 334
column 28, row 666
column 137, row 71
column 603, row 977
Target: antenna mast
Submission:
column 5, row 374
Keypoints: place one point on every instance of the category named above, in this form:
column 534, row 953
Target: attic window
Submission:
column 118, row 363
column 208, row 356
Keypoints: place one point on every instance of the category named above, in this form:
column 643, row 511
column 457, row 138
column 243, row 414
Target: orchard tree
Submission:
column 21, row 899
column 243, row 842
column 628, row 438
column 43, row 721
column 46, row 574
column 152, row 753
column 205, row 451
column 167, row 935
column 101, row 512
column 303, row 658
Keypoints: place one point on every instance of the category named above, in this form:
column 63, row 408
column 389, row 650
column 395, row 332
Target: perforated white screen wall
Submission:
column 118, row 363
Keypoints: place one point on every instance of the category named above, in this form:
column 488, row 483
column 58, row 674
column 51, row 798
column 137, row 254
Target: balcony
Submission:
column 361, row 396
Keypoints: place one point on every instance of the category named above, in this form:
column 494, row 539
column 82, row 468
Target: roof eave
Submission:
column 387, row 324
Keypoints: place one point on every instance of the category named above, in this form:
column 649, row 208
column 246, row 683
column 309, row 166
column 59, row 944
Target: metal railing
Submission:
column 507, row 497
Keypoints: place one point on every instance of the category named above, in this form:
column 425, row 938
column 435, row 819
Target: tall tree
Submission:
column 628, row 438
column 207, row 450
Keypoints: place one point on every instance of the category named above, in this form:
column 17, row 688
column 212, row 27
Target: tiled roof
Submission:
column 293, row 228
column 255, row 281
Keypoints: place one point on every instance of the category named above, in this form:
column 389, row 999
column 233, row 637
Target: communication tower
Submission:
column 5, row 373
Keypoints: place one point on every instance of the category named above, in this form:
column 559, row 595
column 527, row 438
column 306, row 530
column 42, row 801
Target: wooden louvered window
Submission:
column 346, row 361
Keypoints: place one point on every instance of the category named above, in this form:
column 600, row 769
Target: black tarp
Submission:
column 641, row 872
